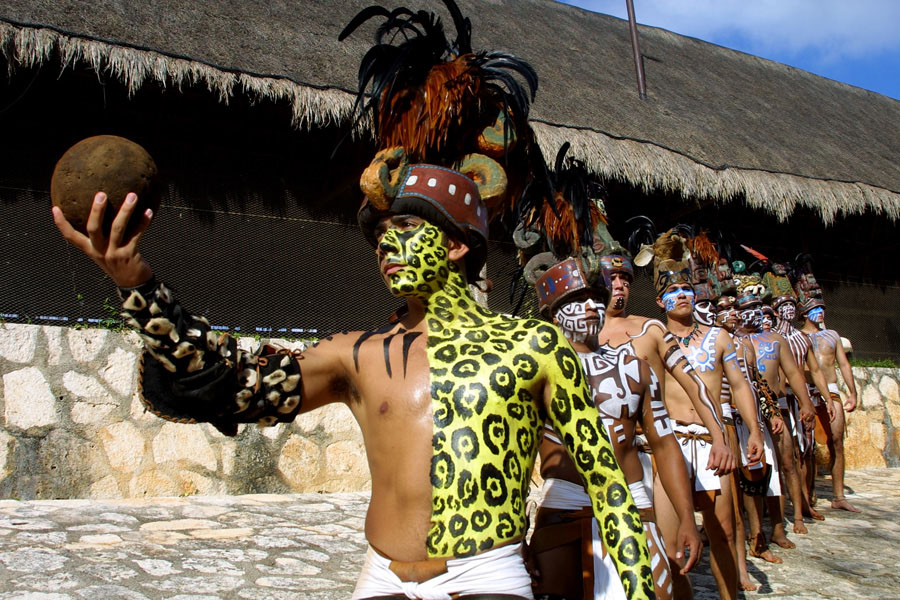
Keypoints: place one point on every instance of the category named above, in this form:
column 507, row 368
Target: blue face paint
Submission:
column 670, row 298
column 817, row 315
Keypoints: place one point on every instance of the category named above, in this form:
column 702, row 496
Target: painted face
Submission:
column 619, row 288
column 767, row 322
column 412, row 257
column 816, row 315
column 751, row 318
column 787, row 311
column 705, row 312
column 581, row 319
column 727, row 318
column 671, row 298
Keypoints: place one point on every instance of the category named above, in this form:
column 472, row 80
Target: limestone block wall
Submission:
column 74, row 427
column 873, row 429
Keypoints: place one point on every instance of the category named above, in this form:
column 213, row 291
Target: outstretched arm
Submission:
column 846, row 373
column 190, row 372
column 743, row 397
column 670, row 466
column 567, row 401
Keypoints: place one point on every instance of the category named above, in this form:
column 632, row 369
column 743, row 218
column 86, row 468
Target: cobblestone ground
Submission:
column 310, row 546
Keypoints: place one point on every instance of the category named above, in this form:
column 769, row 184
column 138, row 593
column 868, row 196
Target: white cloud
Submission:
column 831, row 29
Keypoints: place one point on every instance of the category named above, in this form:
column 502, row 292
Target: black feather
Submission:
column 361, row 17
column 643, row 231
column 463, row 42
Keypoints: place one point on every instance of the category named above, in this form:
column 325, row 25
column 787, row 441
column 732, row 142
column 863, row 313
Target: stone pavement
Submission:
column 310, row 546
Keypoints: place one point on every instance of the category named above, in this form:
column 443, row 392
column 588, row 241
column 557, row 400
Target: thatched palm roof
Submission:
column 719, row 125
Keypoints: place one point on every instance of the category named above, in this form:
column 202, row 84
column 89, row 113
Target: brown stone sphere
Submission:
column 104, row 163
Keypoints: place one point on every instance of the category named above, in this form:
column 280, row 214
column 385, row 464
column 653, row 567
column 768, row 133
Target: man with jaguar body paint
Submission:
column 467, row 390
column 712, row 355
column 566, row 549
column 827, row 346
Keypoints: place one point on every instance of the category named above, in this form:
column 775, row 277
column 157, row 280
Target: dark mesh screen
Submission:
column 256, row 228
column 296, row 275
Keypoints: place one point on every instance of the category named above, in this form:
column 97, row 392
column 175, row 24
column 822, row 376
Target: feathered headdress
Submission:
column 778, row 284
column 440, row 101
column 704, row 260
column 562, row 215
column 808, row 290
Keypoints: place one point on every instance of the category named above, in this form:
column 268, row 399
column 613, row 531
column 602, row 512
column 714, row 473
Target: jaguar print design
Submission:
column 488, row 373
column 189, row 373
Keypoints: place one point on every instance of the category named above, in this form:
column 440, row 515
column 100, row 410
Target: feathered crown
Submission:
column 434, row 101
column 439, row 100
column 703, row 260
column 561, row 215
column 805, row 284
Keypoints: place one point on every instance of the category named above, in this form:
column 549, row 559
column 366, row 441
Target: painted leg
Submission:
column 662, row 571
column 667, row 520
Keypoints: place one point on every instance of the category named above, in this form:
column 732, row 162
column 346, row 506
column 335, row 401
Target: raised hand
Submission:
column 117, row 255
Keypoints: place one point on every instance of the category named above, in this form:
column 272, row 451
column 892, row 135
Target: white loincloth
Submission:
column 797, row 428
column 498, row 571
column 833, row 388
column 565, row 495
column 696, row 457
column 743, row 435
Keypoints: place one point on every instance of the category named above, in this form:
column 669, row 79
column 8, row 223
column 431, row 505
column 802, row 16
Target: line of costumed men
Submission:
column 640, row 423
column 737, row 331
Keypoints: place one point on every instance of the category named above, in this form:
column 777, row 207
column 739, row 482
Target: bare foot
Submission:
column 842, row 504
column 766, row 555
column 800, row 528
column 747, row 585
column 814, row 514
column 784, row 542
column 760, row 549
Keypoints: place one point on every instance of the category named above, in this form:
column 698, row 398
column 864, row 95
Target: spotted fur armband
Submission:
column 189, row 373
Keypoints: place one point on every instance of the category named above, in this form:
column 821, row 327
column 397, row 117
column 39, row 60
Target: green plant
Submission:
column 885, row 363
column 112, row 320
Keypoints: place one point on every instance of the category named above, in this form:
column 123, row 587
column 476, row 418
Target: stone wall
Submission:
column 873, row 429
column 73, row 427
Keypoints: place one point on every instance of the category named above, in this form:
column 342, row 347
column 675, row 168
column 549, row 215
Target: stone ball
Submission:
column 104, row 163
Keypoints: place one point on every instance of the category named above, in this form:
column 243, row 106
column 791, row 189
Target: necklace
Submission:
column 686, row 340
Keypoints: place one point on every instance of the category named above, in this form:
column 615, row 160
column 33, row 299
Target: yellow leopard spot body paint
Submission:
column 488, row 373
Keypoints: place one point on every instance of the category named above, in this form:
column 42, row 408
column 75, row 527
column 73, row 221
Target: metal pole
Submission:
column 636, row 51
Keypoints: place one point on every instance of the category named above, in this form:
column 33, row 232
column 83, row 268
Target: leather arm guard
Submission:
column 189, row 373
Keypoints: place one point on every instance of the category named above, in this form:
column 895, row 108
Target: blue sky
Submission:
column 854, row 41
